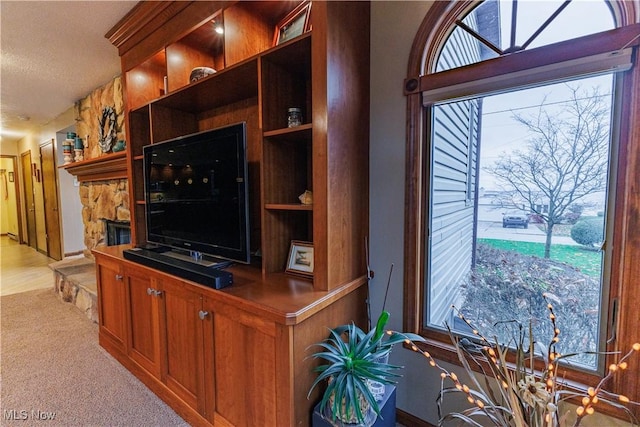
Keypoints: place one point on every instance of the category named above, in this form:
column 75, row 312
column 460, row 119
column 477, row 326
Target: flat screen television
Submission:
column 196, row 193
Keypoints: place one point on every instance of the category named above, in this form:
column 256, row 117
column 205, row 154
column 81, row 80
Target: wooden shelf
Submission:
column 222, row 88
column 109, row 166
column 288, row 207
column 289, row 134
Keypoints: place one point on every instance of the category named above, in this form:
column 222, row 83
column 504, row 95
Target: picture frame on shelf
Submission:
column 296, row 23
column 301, row 259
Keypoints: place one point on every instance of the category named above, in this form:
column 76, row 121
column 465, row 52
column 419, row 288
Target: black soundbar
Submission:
column 208, row 276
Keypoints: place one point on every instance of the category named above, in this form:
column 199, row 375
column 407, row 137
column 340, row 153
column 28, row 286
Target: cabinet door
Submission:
column 245, row 356
column 182, row 336
column 111, row 292
column 144, row 301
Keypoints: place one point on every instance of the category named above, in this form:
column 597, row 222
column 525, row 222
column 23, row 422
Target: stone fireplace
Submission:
column 104, row 195
column 103, row 201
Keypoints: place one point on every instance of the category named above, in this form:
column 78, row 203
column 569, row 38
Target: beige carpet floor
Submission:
column 54, row 373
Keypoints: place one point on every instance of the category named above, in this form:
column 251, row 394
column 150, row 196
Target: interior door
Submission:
column 50, row 193
column 29, row 200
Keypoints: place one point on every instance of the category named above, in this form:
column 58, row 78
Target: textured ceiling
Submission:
column 53, row 53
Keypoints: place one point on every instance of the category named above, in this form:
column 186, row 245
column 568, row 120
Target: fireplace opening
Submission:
column 117, row 232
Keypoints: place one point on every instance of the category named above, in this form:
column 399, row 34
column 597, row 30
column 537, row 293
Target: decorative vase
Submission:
column 200, row 73
column 119, row 146
column 67, row 146
column 294, row 117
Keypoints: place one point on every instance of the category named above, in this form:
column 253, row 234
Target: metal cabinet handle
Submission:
column 118, row 276
column 154, row 292
column 203, row 314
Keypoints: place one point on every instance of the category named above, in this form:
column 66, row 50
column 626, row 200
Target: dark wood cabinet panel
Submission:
column 253, row 403
column 182, row 332
column 144, row 307
column 111, row 291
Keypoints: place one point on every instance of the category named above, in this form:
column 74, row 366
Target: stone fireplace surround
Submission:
column 102, row 199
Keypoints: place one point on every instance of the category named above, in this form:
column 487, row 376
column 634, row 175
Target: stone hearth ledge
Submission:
column 75, row 282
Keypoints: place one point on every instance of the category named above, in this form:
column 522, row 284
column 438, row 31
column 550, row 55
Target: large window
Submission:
column 537, row 160
column 521, row 127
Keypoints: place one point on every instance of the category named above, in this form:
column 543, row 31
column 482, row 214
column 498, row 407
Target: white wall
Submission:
column 70, row 206
column 68, row 194
column 393, row 27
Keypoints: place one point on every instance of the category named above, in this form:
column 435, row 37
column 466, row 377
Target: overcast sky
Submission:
column 500, row 133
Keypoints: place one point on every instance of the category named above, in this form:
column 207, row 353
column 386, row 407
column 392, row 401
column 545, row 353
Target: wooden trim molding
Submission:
column 605, row 43
column 406, row 419
column 135, row 22
column 150, row 26
column 109, row 166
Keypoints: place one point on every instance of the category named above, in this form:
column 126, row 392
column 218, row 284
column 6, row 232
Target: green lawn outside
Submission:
column 589, row 262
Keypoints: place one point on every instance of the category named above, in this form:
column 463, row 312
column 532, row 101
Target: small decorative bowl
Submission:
column 199, row 73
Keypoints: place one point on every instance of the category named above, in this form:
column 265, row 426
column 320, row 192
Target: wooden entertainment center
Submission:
column 239, row 356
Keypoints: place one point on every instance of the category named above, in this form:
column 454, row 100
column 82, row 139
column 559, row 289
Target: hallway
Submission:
column 22, row 268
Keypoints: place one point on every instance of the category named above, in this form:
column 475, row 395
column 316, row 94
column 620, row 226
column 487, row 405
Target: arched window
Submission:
column 522, row 166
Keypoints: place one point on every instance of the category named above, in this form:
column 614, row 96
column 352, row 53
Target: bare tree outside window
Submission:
column 565, row 160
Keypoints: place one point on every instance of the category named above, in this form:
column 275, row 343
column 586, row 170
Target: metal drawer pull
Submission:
column 118, row 276
column 203, row 314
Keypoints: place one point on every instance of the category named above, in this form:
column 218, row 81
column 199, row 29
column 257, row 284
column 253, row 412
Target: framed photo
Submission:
column 300, row 258
column 294, row 24
column 11, row 177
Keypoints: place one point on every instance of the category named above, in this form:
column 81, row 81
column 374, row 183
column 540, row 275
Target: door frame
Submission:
column 47, row 214
column 29, row 172
column 16, row 184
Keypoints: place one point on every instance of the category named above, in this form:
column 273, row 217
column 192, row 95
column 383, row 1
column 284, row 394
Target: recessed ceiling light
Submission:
column 217, row 27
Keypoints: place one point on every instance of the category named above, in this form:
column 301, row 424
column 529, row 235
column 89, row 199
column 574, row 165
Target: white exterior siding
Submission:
column 454, row 153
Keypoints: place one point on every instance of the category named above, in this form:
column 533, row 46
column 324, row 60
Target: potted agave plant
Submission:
column 353, row 361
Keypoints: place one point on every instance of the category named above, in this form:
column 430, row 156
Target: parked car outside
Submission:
column 515, row 219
